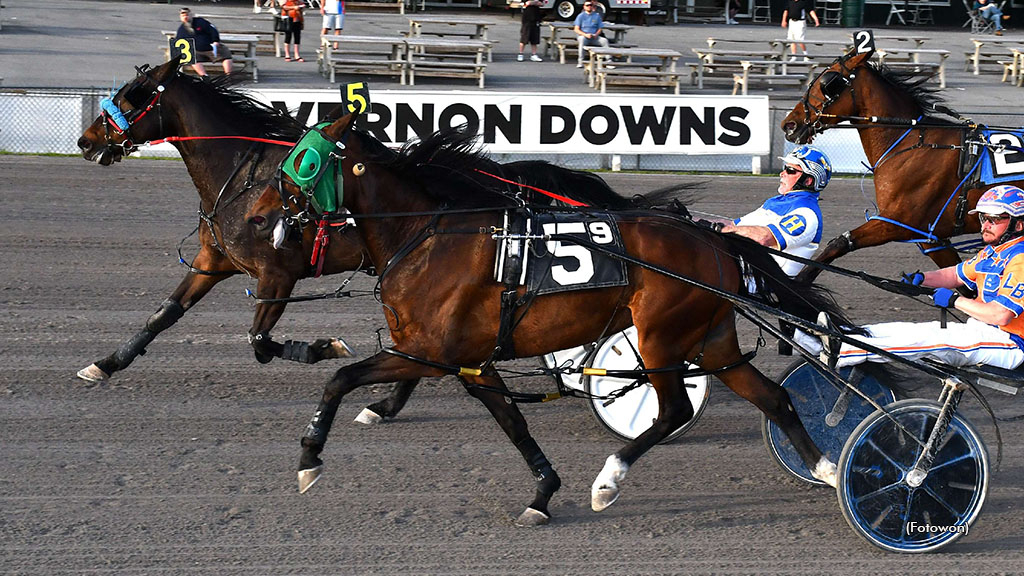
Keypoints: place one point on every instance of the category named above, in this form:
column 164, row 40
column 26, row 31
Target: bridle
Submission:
column 118, row 122
column 832, row 84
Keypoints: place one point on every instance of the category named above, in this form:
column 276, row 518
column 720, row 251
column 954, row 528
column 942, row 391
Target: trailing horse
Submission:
column 925, row 179
column 428, row 230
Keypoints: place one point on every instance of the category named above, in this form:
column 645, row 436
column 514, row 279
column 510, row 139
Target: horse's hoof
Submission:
column 309, row 477
column 92, row 373
column 338, row 348
column 368, row 416
column 531, row 517
column 826, row 472
column 601, row 498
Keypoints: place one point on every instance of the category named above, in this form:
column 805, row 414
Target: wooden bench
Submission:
column 383, row 6
column 772, row 72
column 698, row 14
column 573, row 44
column 446, row 70
column 933, row 68
column 266, row 44
column 637, row 77
column 446, row 58
column 742, row 80
column 381, row 55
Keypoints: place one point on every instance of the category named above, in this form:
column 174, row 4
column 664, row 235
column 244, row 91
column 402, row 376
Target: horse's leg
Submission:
column 382, row 367
column 870, row 233
column 389, row 407
column 191, row 289
column 508, row 416
column 273, row 286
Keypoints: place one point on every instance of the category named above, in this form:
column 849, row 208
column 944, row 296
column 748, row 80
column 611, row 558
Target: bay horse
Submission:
column 920, row 192
column 229, row 171
column 427, row 229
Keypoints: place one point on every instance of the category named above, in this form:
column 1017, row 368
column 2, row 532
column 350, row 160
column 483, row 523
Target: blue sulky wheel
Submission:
column 629, row 416
column 828, row 416
column 883, row 508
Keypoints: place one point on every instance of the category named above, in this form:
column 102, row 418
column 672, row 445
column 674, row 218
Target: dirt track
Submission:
column 185, row 462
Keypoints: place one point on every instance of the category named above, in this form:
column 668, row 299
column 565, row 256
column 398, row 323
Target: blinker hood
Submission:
column 319, row 172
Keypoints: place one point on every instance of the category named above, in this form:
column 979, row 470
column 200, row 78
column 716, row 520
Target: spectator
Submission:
column 989, row 11
column 333, row 16
column 588, row 27
column 292, row 9
column 794, row 18
column 732, row 7
column 529, row 30
column 208, row 46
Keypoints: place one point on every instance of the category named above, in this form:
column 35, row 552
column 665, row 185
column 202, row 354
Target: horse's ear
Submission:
column 340, row 126
column 859, row 59
column 165, row 71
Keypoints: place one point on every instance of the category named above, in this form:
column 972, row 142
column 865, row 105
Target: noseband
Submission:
column 120, row 123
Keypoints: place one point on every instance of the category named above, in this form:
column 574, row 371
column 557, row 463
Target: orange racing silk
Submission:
column 997, row 274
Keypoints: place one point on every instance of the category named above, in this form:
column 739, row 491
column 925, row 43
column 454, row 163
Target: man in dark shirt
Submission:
column 529, row 31
column 208, row 46
column 794, row 18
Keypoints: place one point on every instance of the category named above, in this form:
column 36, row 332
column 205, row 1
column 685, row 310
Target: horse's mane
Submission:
column 926, row 97
column 454, row 169
column 254, row 117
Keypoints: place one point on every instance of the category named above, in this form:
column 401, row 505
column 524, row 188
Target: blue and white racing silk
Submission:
column 795, row 221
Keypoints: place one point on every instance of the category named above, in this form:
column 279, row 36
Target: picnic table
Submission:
column 445, row 26
column 725, row 60
column 829, row 48
column 772, row 72
column 917, row 40
column 446, row 57
column 989, row 50
column 561, row 36
column 384, row 55
column 242, row 46
column 265, row 20
column 659, row 69
column 910, row 59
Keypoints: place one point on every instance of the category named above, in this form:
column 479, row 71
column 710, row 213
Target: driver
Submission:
column 994, row 332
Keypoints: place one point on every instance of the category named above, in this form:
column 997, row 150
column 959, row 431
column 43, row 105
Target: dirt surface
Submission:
column 185, row 462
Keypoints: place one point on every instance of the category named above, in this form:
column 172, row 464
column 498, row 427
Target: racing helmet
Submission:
column 813, row 162
column 1007, row 200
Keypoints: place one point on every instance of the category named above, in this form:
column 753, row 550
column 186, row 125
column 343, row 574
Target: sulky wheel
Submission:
column 876, row 498
column 828, row 416
column 629, row 416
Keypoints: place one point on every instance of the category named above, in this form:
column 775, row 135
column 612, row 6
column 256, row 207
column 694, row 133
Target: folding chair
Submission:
column 978, row 24
column 898, row 11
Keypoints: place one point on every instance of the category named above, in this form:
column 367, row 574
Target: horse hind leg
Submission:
column 674, row 410
column 772, row 399
column 389, row 407
column 508, row 416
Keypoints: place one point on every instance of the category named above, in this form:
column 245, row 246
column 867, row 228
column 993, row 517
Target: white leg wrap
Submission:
column 825, row 471
column 605, row 490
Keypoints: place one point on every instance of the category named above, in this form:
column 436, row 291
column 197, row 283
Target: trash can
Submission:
column 853, row 13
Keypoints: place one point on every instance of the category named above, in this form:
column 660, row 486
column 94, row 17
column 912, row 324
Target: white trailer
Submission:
column 568, row 9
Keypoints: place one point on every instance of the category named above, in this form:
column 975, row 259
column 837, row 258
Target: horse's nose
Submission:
column 789, row 128
column 84, row 144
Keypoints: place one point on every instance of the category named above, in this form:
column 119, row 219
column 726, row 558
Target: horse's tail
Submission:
column 775, row 287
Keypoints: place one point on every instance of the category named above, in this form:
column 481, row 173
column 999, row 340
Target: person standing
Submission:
column 794, row 17
column 529, row 30
column 208, row 46
column 588, row 27
column 333, row 12
column 292, row 9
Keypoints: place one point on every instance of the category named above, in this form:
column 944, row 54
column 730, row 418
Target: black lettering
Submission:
column 448, row 115
column 649, row 122
column 405, row 118
column 688, row 122
column 511, row 126
column 547, row 133
column 378, row 127
column 302, row 114
column 329, row 111
column 587, row 125
column 730, row 121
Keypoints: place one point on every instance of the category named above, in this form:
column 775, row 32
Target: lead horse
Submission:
column 428, row 230
column 914, row 152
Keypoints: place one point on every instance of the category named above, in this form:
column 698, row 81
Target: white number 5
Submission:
column 585, row 271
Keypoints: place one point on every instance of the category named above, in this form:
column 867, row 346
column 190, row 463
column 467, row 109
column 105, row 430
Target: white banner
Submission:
column 557, row 123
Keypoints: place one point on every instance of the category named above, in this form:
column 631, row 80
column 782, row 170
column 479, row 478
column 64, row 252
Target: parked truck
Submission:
column 568, row 9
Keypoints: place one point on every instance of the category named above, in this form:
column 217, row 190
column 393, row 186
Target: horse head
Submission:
column 829, row 97
column 129, row 117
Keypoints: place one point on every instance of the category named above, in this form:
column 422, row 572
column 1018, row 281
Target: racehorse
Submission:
column 229, row 171
column 428, row 231
column 919, row 189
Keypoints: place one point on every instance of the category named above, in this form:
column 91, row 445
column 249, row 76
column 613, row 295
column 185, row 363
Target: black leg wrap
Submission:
column 547, row 479
column 317, row 429
column 136, row 346
column 297, row 352
column 169, row 313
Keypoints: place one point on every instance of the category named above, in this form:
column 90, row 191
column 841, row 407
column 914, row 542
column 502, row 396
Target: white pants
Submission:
column 595, row 41
column 973, row 342
column 796, row 30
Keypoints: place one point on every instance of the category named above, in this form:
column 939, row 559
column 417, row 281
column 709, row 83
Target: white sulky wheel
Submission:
column 629, row 416
column 884, row 508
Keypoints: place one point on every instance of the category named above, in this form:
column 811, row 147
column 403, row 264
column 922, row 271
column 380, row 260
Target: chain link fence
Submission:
column 38, row 121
